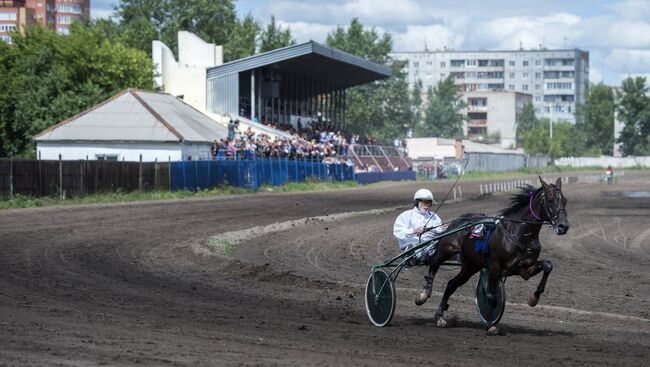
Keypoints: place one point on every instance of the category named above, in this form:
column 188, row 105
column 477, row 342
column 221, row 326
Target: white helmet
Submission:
column 423, row 194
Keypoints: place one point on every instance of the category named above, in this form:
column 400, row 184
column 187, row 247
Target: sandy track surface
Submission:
column 141, row 284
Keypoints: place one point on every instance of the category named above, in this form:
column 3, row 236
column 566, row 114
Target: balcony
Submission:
column 476, row 123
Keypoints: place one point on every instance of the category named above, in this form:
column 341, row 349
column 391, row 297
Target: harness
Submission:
column 525, row 250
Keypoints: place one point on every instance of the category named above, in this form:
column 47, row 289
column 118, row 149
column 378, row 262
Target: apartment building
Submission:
column 491, row 113
column 14, row 15
column 556, row 79
column 68, row 11
column 56, row 14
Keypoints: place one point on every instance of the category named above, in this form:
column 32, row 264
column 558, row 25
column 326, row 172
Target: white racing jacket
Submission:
column 407, row 222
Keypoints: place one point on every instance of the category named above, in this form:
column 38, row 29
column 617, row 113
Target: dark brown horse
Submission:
column 513, row 247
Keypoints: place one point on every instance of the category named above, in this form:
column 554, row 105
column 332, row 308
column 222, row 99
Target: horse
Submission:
column 513, row 247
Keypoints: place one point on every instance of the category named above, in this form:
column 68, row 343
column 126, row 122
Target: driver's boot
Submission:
column 426, row 291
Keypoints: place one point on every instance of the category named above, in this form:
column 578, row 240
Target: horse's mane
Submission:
column 519, row 200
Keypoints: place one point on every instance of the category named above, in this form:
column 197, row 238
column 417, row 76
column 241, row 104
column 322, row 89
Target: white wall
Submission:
column 187, row 77
column 124, row 151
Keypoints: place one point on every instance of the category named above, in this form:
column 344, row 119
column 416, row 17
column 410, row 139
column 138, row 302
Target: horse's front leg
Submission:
column 542, row 265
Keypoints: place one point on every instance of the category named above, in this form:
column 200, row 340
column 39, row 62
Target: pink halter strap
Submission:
column 530, row 206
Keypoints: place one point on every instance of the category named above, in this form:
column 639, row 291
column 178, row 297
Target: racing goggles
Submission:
column 426, row 202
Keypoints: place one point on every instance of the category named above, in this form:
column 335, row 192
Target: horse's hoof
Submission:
column 493, row 330
column 421, row 299
column 532, row 299
column 440, row 322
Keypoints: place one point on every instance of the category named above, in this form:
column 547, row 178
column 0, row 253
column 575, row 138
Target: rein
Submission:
column 528, row 251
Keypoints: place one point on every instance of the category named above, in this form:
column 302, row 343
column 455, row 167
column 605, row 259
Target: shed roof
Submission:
column 135, row 115
column 310, row 59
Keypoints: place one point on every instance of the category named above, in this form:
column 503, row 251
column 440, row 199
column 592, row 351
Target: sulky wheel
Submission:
column 380, row 297
column 488, row 314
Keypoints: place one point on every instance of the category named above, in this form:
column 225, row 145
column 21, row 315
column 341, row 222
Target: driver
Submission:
column 411, row 224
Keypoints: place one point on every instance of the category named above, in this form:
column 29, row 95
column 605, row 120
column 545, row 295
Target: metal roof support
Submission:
column 386, row 155
column 373, row 158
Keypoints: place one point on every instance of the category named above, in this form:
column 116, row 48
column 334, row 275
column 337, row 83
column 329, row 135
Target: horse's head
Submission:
column 553, row 206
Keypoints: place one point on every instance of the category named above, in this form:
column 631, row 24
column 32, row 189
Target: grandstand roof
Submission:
column 310, row 59
column 135, row 115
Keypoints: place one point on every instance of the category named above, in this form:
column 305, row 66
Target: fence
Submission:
column 604, row 161
column 253, row 173
column 79, row 178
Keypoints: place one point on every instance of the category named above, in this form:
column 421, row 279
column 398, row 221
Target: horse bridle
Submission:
column 558, row 210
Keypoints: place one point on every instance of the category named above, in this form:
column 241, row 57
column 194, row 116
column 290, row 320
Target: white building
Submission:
column 557, row 79
column 131, row 125
column 489, row 113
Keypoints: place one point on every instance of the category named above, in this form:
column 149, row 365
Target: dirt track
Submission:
column 138, row 284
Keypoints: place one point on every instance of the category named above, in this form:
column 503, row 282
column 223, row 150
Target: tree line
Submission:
column 593, row 132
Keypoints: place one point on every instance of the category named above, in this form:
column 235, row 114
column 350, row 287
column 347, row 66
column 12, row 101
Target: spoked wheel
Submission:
column 380, row 298
column 488, row 314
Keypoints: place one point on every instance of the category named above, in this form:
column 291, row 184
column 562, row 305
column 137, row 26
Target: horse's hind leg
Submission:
column 444, row 253
column 543, row 265
column 428, row 286
column 465, row 274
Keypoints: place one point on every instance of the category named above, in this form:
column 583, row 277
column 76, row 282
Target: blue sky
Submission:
column 616, row 33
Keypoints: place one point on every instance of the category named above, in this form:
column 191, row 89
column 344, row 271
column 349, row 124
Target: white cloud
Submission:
column 304, row 32
column 628, row 61
column 632, row 9
column 435, row 36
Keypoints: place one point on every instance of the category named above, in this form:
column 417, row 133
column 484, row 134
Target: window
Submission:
column 511, row 63
column 457, row 63
column 538, row 75
column 69, row 8
column 5, row 39
column 7, row 27
column 511, row 75
column 525, row 75
column 65, row 19
column 442, row 64
column 511, row 86
column 525, row 63
column 538, row 87
column 547, row 109
column 538, row 62
column 538, row 98
column 524, row 87
column 471, row 62
column 63, row 31
column 416, row 64
column 7, row 16
column 537, row 111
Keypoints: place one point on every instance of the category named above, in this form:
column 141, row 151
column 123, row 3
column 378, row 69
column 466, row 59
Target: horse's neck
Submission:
column 529, row 230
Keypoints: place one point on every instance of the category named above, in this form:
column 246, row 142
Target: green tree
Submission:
column 527, row 121
column 242, row 39
column 563, row 144
column 634, row 112
column 274, row 37
column 443, row 116
column 142, row 21
column 595, row 120
column 381, row 108
column 50, row 78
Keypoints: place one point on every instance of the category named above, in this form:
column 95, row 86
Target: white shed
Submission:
column 155, row 125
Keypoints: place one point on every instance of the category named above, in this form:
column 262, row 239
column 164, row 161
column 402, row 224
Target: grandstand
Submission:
column 380, row 158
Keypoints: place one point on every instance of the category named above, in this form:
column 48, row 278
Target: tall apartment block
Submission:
column 55, row 14
column 69, row 10
column 13, row 16
column 556, row 79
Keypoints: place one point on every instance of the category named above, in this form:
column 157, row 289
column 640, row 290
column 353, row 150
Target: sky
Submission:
column 616, row 33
